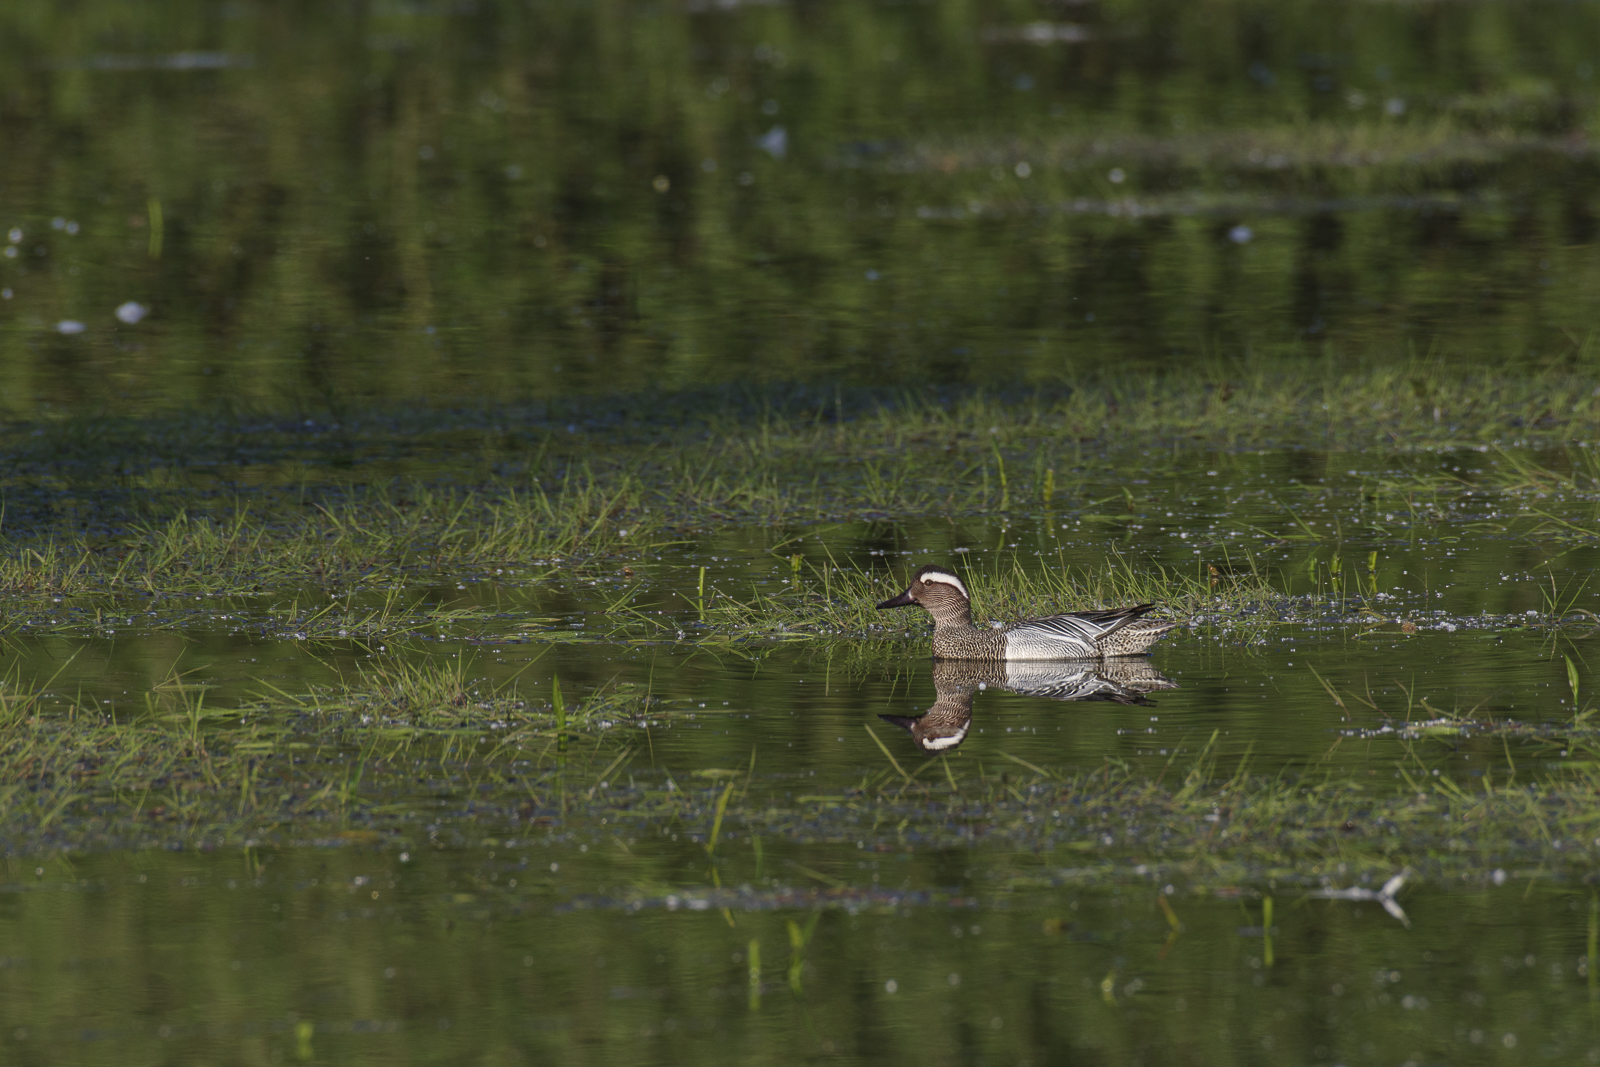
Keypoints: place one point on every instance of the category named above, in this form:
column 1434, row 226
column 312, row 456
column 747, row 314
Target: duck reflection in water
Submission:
column 944, row 726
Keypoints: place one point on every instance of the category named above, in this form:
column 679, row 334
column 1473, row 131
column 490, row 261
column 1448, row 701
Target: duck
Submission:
column 1074, row 635
column 944, row 726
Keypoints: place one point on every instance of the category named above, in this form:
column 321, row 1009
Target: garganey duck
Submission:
column 1075, row 635
column 1120, row 680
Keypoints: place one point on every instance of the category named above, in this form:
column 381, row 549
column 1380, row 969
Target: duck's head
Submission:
column 934, row 588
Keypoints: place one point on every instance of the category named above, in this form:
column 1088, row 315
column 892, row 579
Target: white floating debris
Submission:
column 775, row 142
column 69, row 326
column 131, row 312
column 1385, row 896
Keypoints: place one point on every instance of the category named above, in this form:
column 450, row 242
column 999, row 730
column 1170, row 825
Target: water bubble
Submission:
column 769, row 107
column 873, row 275
column 131, row 312
column 661, row 183
column 15, row 234
column 1241, row 234
column 708, row 165
column 58, row 223
column 425, row 152
column 1395, row 106
column 70, row 326
column 1023, row 170
column 1116, row 177
column 891, row 986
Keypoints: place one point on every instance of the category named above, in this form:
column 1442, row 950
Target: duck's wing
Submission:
column 1078, row 633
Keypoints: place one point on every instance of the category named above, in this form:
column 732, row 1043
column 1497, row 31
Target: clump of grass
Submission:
column 361, row 760
column 296, row 764
column 828, row 599
column 562, row 499
column 1325, row 146
column 383, row 532
column 405, row 698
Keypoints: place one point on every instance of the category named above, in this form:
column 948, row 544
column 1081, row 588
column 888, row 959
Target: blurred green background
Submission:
column 454, row 200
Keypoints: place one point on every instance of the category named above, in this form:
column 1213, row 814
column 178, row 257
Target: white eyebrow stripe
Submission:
column 947, row 579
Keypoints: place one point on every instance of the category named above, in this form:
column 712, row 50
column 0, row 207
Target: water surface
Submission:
column 293, row 218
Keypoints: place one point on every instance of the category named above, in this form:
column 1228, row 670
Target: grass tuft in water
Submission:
column 177, row 504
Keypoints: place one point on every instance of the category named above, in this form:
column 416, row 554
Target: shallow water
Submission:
column 521, row 949
column 730, row 854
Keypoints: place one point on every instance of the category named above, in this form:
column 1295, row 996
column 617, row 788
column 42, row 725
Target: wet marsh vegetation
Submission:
column 556, row 661
column 450, row 454
column 424, row 607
